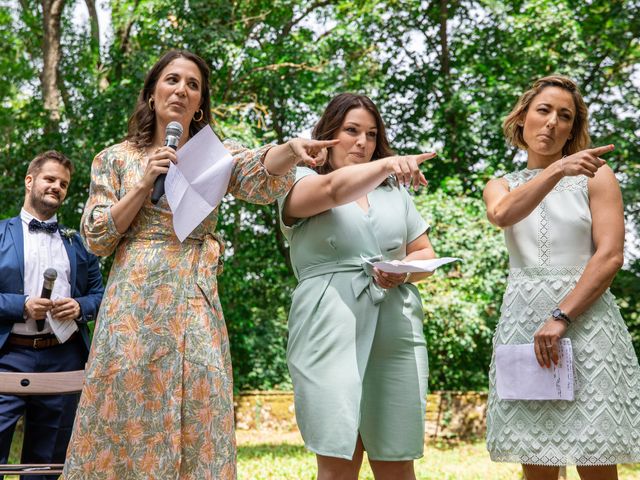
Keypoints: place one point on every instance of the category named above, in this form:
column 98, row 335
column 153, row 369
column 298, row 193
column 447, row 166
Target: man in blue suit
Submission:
column 44, row 334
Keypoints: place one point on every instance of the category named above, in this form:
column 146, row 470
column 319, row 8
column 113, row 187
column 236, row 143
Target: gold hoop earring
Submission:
column 150, row 102
column 201, row 116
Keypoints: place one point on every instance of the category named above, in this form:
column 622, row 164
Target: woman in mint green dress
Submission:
column 356, row 353
column 564, row 226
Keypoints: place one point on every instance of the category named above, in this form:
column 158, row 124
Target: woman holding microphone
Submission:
column 158, row 396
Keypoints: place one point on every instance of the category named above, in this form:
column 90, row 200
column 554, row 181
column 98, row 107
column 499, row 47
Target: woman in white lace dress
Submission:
column 564, row 227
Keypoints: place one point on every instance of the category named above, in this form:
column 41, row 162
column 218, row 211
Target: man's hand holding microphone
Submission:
column 61, row 308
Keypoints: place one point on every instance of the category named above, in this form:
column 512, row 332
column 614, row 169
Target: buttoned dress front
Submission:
column 356, row 352
column 158, row 398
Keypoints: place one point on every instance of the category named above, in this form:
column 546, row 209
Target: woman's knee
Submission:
column 401, row 470
column 600, row 472
column 540, row 472
column 332, row 468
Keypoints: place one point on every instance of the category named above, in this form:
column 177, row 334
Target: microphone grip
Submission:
column 46, row 293
column 158, row 188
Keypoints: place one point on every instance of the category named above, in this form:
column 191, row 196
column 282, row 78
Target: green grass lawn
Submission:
column 282, row 456
column 263, row 456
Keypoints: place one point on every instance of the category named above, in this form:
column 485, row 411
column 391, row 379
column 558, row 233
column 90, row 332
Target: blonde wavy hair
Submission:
column 579, row 138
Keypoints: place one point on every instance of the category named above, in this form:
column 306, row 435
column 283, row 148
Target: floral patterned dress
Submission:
column 158, row 397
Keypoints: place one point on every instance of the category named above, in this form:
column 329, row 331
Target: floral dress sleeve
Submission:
column 97, row 227
column 250, row 180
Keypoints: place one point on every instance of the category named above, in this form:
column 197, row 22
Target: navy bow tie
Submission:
column 38, row 226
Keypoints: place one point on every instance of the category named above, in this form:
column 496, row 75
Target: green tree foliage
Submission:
column 462, row 302
column 626, row 288
column 444, row 74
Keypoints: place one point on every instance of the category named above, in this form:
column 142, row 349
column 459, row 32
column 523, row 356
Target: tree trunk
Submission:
column 445, row 71
column 278, row 117
column 123, row 36
column 101, row 76
column 51, row 15
column 95, row 25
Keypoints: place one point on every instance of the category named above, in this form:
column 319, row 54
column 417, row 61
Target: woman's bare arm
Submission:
column 605, row 202
column 315, row 194
column 506, row 208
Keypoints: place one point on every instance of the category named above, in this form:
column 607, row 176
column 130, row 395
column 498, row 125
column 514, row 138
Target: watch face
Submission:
column 557, row 313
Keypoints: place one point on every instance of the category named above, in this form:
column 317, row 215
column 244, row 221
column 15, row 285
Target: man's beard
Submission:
column 44, row 205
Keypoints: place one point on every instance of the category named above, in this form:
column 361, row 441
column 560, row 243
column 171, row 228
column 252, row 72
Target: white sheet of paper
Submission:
column 196, row 185
column 398, row 266
column 61, row 329
column 520, row 377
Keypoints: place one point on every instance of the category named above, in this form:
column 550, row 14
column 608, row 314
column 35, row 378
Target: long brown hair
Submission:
column 333, row 118
column 142, row 123
column 579, row 138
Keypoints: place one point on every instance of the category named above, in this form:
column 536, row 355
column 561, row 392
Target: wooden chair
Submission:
column 54, row 383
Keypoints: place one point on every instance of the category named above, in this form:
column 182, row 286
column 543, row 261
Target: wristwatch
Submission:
column 558, row 314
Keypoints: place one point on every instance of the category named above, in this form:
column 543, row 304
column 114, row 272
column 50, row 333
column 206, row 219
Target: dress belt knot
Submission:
column 362, row 280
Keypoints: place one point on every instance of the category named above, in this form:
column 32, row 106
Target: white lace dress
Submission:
column 547, row 254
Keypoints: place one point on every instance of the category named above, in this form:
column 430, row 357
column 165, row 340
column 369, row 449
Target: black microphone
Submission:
column 50, row 276
column 171, row 139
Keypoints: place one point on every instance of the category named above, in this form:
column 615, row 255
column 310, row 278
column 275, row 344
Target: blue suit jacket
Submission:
column 86, row 279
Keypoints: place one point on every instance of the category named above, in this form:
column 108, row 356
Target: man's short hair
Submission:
column 49, row 156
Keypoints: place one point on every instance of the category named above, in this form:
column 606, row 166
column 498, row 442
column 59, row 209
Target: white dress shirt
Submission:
column 42, row 250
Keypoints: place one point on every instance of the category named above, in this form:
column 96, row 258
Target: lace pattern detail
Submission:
column 515, row 179
column 602, row 425
column 543, row 235
column 560, row 461
column 572, row 184
column 566, row 184
column 545, row 272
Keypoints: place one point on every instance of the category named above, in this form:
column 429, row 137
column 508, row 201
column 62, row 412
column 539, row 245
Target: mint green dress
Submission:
column 356, row 353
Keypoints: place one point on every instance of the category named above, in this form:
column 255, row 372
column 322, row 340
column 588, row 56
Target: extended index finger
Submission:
column 324, row 143
column 597, row 151
column 424, row 156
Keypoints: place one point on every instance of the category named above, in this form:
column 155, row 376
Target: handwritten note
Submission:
column 519, row 376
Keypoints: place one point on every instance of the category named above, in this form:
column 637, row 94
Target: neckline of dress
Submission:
column 362, row 210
